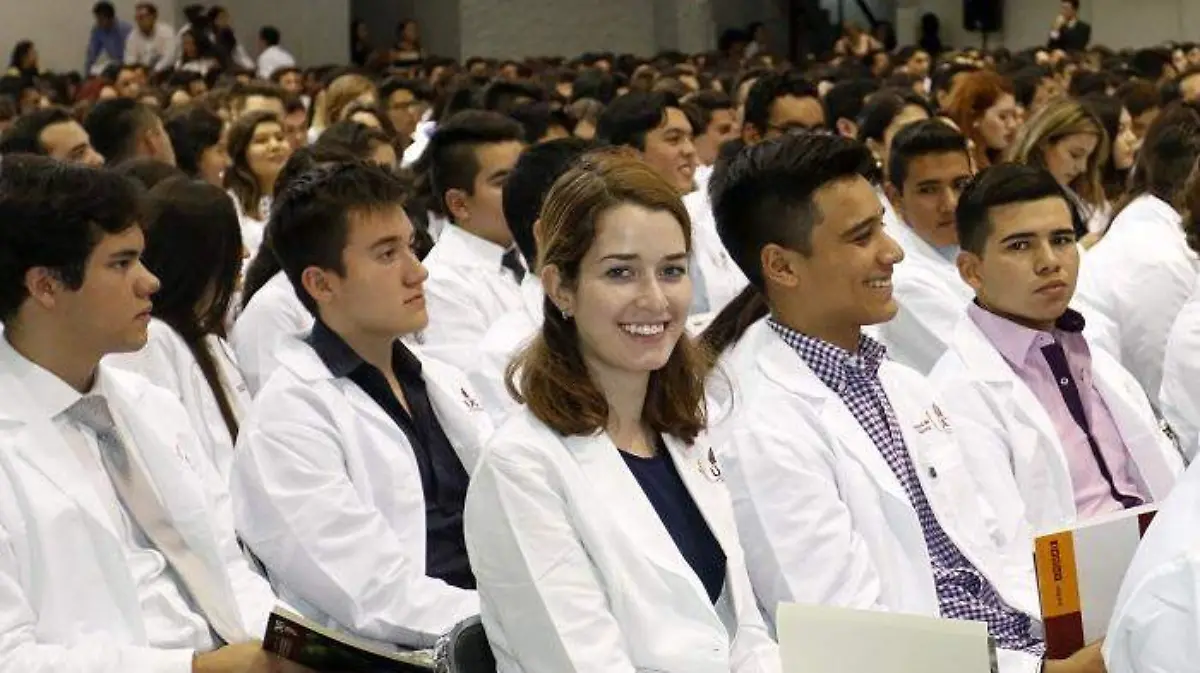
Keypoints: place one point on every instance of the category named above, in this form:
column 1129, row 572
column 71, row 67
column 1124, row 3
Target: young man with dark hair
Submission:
column 406, row 101
column 1034, row 87
column 844, row 103
column 152, row 44
column 929, row 167
column 1069, row 33
column 254, row 96
column 718, row 124
column 51, row 132
column 122, row 129
column 535, row 172
column 653, row 124
column 779, row 104
column 128, row 81
column 1144, row 103
column 119, row 549
column 351, row 470
column 106, row 44
column 1069, row 424
column 475, row 272
column 295, row 122
column 849, row 482
column 271, row 55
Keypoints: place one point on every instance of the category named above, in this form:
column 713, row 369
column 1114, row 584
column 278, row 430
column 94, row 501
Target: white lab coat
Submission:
column 503, row 341
column 466, row 292
column 253, row 229
column 931, row 296
column 68, row 599
column 1134, row 283
column 822, row 517
column 272, row 59
column 577, row 573
column 273, row 314
column 1015, row 444
column 328, row 496
column 167, row 362
column 1155, row 627
column 1180, row 394
column 723, row 280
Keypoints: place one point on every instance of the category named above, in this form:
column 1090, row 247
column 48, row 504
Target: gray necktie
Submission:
column 134, row 490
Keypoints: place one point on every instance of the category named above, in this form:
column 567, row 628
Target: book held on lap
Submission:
column 1079, row 574
column 327, row 651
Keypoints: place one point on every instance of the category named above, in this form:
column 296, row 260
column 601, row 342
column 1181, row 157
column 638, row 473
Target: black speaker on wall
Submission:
column 983, row 16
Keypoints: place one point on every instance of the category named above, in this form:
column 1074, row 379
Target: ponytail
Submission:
column 731, row 323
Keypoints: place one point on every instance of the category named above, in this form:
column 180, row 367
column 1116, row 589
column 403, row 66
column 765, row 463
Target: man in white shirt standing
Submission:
column 271, row 56
column 475, row 271
column 152, row 43
column 117, row 547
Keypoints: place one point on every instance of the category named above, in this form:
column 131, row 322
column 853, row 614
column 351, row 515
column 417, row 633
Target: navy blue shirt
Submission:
column 443, row 478
column 663, row 486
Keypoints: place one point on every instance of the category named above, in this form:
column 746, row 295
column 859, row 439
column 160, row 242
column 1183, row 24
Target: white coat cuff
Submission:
column 1013, row 661
column 170, row 661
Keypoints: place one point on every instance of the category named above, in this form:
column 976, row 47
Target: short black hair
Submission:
column 536, row 119
column 419, row 89
column 310, row 223
column 771, row 87
column 104, row 10
column 929, row 136
column 846, row 100
column 1092, row 83
column 114, row 125
column 148, row 6
column 453, row 163
column 1139, row 96
column 764, row 194
column 240, row 92
column 269, row 35
column 1073, row 3
column 943, row 77
column 193, row 130
column 24, row 136
column 53, row 214
column 148, row 172
column 1150, row 63
column 883, row 108
column 1026, row 82
column 503, row 96
column 629, row 118
column 353, row 138
column 1000, row 185
column 595, row 84
column 530, row 180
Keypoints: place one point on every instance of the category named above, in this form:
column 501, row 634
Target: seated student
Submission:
column 1180, row 392
column 194, row 247
column 847, row 478
column 122, row 128
column 1157, row 613
column 475, row 271
column 271, row 311
column 351, row 469
column 524, row 192
column 50, row 132
column 929, row 166
column 119, row 552
column 257, row 152
column 1072, row 426
column 597, row 524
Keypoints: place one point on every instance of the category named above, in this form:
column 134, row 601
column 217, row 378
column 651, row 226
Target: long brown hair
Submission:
column 239, row 179
column 550, row 376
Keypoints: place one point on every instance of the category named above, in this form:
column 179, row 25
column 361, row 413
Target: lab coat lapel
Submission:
column 782, row 364
column 459, row 412
column 628, row 506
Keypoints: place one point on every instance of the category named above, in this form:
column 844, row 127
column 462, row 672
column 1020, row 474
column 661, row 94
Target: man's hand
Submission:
column 244, row 658
column 1087, row 660
column 1059, row 22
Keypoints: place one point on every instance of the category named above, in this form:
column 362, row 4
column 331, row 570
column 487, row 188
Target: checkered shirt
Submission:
column 963, row 592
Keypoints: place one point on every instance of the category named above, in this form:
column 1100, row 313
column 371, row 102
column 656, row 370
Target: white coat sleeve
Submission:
column 297, row 509
column 155, row 361
column 925, row 322
column 798, row 535
column 1148, row 306
column 542, row 602
column 20, row 651
column 456, row 325
column 1158, row 629
column 255, row 339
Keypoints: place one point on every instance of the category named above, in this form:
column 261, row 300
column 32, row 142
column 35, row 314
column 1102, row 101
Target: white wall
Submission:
column 59, row 28
column 316, row 32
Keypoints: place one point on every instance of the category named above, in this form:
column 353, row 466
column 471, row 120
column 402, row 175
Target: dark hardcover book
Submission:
column 327, row 651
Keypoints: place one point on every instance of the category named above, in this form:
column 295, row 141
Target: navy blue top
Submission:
column 443, row 477
column 663, row 486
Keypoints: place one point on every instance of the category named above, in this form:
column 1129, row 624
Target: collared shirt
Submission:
column 273, row 58
column 443, row 478
column 110, row 42
column 156, row 50
column 963, row 592
column 1021, row 347
column 171, row 622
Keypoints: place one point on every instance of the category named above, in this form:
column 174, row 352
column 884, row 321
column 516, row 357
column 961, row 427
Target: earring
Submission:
column 565, row 313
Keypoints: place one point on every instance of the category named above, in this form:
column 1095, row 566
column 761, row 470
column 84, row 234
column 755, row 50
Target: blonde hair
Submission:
column 338, row 96
column 1054, row 122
